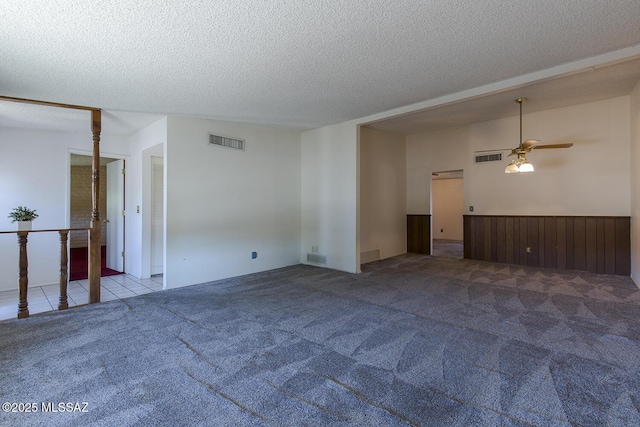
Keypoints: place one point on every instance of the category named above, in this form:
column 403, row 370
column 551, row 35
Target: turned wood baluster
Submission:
column 63, row 304
column 94, row 234
column 23, row 280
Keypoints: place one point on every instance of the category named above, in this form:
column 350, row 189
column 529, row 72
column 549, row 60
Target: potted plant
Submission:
column 23, row 216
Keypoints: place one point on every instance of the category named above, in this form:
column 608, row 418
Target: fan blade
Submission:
column 491, row 151
column 566, row 145
column 529, row 143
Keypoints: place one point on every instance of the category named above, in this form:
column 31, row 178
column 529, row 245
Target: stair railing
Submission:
column 23, row 268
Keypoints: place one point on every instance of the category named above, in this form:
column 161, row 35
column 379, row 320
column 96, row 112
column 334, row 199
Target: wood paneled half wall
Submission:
column 597, row 244
column 419, row 234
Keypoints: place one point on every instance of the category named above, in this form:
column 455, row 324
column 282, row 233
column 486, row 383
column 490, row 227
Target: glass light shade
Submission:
column 525, row 167
column 511, row 167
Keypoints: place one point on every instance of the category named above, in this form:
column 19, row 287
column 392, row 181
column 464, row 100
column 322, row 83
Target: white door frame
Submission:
column 431, row 204
column 114, row 218
column 157, row 150
column 157, row 219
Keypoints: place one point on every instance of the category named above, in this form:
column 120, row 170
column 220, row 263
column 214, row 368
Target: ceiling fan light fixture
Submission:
column 511, row 167
column 521, row 164
column 525, row 167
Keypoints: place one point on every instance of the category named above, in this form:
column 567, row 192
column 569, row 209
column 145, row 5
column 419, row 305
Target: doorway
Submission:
column 111, row 206
column 447, row 213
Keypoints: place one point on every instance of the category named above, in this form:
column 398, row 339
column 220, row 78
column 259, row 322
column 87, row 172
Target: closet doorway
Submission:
column 447, row 213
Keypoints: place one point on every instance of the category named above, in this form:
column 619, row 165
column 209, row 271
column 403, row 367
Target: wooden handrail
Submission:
column 23, row 267
column 45, row 231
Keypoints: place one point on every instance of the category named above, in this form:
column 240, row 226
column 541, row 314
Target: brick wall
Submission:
column 81, row 204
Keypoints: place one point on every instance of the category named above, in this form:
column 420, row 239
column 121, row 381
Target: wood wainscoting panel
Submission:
column 597, row 244
column 623, row 245
column 591, row 237
column 533, row 249
column 610, row 245
column 561, row 243
column 580, row 243
column 419, row 234
column 550, row 242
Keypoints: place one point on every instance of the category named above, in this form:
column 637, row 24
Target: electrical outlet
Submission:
column 314, row 249
column 254, row 255
column 470, row 208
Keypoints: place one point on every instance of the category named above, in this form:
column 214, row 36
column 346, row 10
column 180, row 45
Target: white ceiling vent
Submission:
column 482, row 158
column 225, row 141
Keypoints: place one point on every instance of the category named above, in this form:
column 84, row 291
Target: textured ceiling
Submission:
column 587, row 86
column 294, row 64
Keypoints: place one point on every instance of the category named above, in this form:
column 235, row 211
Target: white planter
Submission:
column 24, row 225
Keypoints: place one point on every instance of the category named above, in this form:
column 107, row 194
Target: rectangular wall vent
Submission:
column 318, row 259
column 496, row 157
column 225, row 141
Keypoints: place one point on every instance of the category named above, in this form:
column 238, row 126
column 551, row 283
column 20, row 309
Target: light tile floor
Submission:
column 45, row 298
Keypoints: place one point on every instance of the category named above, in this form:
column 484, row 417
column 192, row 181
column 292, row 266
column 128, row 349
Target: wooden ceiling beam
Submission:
column 47, row 103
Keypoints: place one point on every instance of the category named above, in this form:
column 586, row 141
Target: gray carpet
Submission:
column 414, row 340
column 448, row 248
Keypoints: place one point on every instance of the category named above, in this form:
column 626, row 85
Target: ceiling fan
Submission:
column 522, row 164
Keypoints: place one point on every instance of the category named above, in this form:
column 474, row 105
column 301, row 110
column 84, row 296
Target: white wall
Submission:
column 144, row 143
column 591, row 178
column 447, row 199
column 35, row 171
column 383, row 193
column 330, row 195
column 222, row 204
column 443, row 150
column 635, row 184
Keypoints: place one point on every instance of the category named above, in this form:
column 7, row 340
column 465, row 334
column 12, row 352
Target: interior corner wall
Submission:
column 591, row 178
column 330, row 195
column 383, row 193
column 223, row 204
column 635, row 184
column 147, row 142
column 447, row 217
column 35, row 172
